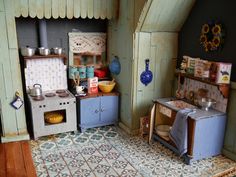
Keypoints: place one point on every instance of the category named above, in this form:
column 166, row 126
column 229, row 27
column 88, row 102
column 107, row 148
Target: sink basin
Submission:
column 181, row 104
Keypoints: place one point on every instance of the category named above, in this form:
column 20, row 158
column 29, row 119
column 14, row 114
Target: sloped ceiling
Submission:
column 164, row 15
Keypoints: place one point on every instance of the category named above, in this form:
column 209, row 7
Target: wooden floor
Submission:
column 16, row 160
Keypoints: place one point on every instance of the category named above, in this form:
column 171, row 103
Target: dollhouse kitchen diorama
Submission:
column 76, row 74
column 67, row 94
column 78, row 92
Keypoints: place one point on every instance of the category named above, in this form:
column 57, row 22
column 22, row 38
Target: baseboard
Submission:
column 229, row 154
column 7, row 139
column 128, row 130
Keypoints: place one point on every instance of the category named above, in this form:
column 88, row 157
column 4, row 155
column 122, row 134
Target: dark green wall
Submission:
column 57, row 30
column 202, row 12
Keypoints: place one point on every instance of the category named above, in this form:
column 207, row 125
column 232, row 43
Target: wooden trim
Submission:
column 223, row 88
column 63, row 56
column 29, row 164
column 191, row 135
column 99, row 94
column 16, row 160
column 207, row 81
column 233, row 85
column 128, row 130
column 2, row 161
column 47, row 56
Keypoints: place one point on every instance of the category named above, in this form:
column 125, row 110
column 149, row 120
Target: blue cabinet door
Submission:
column 89, row 111
column 109, row 109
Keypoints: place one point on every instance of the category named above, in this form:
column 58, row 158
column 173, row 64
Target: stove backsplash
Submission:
column 213, row 92
column 49, row 72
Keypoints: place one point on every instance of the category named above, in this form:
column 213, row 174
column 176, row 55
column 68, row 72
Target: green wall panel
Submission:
column 1, row 6
column 5, row 57
column 230, row 134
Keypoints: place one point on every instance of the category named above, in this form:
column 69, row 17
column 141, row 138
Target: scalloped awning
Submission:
column 98, row 9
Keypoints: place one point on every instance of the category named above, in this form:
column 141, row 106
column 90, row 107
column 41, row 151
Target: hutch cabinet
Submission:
column 97, row 110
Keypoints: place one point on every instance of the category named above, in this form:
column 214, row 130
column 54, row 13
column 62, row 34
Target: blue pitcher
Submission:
column 146, row 76
column 114, row 66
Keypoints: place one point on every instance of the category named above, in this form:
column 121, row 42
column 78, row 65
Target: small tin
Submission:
column 90, row 68
column 82, row 71
column 72, row 70
column 90, row 71
column 90, row 74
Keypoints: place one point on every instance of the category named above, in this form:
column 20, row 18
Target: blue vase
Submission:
column 146, row 76
column 115, row 66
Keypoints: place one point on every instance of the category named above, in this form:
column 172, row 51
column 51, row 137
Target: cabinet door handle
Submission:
column 96, row 111
column 102, row 110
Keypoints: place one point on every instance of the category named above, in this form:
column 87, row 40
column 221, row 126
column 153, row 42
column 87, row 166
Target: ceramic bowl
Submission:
column 206, row 103
column 163, row 130
column 106, row 86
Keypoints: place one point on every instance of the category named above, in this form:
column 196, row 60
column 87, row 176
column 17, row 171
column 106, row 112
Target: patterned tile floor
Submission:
column 109, row 152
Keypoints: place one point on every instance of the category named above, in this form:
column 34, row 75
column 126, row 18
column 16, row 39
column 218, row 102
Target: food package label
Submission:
column 93, row 85
column 223, row 73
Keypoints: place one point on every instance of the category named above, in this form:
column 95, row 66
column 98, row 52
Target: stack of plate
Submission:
column 163, row 131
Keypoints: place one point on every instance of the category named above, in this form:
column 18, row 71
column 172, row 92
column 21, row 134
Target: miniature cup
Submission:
column 79, row 89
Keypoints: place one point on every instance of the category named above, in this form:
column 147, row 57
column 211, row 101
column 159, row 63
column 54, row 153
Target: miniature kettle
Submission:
column 36, row 90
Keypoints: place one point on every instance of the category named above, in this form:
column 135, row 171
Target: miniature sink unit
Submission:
column 180, row 104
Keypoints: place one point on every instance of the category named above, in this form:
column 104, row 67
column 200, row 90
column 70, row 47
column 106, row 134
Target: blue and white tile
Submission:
column 107, row 151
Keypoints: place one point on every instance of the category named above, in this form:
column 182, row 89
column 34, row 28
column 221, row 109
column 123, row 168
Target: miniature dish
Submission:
column 163, row 130
column 106, row 86
column 206, row 103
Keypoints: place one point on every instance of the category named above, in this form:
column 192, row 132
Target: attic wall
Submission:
column 120, row 43
column 202, row 12
column 161, row 49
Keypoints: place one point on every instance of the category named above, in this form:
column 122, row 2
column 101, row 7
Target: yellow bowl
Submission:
column 53, row 117
column 106, row 86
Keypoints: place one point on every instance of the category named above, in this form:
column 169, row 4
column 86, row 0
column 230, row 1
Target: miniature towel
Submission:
column 179, row 130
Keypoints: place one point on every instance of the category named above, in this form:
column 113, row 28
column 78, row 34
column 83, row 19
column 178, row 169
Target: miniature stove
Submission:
column 55, row 98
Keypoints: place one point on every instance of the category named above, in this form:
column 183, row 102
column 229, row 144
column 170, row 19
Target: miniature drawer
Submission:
column 165, row 111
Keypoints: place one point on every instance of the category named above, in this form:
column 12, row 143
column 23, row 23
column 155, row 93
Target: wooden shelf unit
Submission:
column 63, row 56
column 224, row 88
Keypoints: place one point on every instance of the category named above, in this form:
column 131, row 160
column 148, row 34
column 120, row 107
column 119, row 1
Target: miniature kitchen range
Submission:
column 88, row 102
column 192, row 123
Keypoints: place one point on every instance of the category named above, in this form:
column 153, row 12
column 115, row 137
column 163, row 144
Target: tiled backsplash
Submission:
column 213, row 92
column 49, row 72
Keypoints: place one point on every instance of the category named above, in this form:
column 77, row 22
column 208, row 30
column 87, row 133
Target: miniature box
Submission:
column 144, row 125
column 190, row 64
column 202, row 68
column 93, row 85
column 223, row 73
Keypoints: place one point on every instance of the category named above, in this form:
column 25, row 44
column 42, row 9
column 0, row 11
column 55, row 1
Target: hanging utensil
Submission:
column 146, row 76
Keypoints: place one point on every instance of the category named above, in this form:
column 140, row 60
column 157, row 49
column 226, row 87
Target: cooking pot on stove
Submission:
column 36, row 90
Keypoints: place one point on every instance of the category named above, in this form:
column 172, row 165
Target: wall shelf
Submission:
column 63, row 56
column 224, row 88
